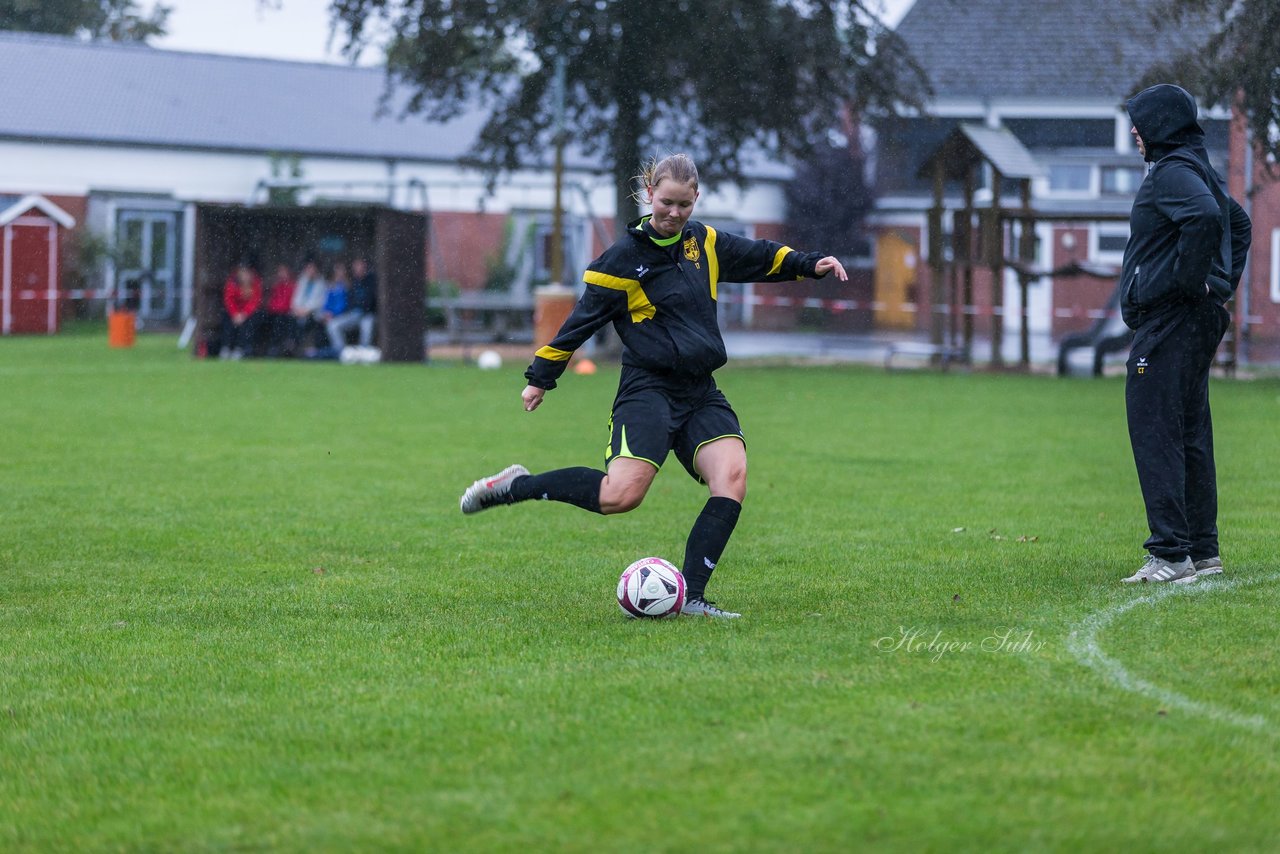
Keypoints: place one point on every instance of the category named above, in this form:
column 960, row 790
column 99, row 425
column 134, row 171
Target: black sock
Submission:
column 707, row 540
column 579, row 486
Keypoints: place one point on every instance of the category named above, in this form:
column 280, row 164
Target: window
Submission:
column 1107, row 242
column 1070, row 178
column 1063, row 133
column 1112, row 242
column 542, row 250
column 1122, row 180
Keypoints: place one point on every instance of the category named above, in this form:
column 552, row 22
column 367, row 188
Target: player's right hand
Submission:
column 532, row 397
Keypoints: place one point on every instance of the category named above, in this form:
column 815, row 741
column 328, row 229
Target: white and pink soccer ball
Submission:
column 651, row 587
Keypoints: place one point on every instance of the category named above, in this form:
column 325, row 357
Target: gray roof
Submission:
column 131, row 94
column 1039, row 48
column 970, row 144
column 106, row 93
column 1003, row 150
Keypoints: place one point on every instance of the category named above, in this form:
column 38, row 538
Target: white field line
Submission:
column 1082, row 642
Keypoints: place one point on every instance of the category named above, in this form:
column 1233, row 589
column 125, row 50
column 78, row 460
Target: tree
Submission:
column 726, row 82
column 829, row 196
column 114, row 20
column 1235, row 62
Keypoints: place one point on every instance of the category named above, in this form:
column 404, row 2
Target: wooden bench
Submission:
column 946, row 355
column 488, row 316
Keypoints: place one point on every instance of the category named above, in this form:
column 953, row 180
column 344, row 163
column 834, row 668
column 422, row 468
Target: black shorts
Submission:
column 653, row 415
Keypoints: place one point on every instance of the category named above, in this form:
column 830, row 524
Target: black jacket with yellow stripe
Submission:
column 662, row 300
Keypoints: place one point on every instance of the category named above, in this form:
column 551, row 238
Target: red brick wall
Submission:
column 1264, row 208
column 460, row 246
column 1075, row 297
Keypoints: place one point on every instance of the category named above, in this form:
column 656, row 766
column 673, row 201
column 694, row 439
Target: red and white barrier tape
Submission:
column 833, row 305
column 71, row 294
column 837, row 305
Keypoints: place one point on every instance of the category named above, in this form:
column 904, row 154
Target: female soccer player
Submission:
column 657, row 285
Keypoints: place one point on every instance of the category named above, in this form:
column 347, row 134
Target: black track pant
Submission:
column 1167, row 401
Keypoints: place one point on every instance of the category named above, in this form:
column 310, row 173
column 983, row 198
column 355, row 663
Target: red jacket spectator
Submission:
column 239, row 303
column 281, row 299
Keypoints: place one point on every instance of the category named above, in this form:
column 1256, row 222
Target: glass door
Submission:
column 147, row 263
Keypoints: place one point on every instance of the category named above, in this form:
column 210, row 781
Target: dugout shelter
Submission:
column 393, row 241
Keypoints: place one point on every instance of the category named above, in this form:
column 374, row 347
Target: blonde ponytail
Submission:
column 678, row 167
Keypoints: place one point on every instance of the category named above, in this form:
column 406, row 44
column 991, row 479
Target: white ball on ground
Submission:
column 489, row 360
column 651, row 587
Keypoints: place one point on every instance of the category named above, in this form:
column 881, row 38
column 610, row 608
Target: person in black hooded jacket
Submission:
column 1188, row 241
column 657, row 286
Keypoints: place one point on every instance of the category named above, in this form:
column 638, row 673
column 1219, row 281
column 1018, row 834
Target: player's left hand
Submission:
column 830, row 263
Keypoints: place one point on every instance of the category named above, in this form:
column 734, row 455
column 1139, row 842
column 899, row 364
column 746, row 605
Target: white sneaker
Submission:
column 699, row 607
column 1209, row 566
column 491, row 491
column 1159, row 569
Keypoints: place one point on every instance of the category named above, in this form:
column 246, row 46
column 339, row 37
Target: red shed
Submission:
column 29, row 243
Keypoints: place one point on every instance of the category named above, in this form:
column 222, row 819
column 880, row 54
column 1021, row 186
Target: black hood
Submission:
column 1165, row 116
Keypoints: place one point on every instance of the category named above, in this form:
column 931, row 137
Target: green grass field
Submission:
column 239, row 610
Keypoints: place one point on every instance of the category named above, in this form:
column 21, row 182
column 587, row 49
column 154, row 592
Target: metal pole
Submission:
column 1026, row 253
column 970, row 180
column 937, row 251
column 557, row 211
column 995, row 254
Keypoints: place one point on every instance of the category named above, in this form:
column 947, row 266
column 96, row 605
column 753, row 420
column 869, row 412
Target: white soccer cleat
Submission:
column 491, row 491
column 1157, row 569
column 1209, row 566
column 699, row 607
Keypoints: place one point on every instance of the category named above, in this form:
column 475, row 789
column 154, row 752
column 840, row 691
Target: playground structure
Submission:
column 982, row 243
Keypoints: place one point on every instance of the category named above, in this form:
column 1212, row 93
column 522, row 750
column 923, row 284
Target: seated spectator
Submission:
column 279, row 317
column 361, row 308
column 308, row 307
column 242, row 299
column 336, row 301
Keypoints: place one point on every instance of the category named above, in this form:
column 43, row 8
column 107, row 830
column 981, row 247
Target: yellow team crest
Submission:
column 691, row 250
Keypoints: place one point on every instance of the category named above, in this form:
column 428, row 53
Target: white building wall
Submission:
column 230, row 177
column 125, row 177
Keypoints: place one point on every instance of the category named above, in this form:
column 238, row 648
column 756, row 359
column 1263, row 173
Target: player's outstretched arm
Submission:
column 532, row 397
column 829, row 264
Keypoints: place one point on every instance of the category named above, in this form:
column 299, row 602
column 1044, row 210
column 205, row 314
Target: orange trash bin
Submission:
column 122, row 329
column 552, row 305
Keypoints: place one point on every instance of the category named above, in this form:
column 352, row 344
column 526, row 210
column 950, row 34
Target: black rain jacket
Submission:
column 662, row 300
column 1188, row 239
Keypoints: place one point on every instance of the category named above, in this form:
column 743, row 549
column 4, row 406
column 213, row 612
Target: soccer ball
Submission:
column 651, row 587
column 489, row 360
